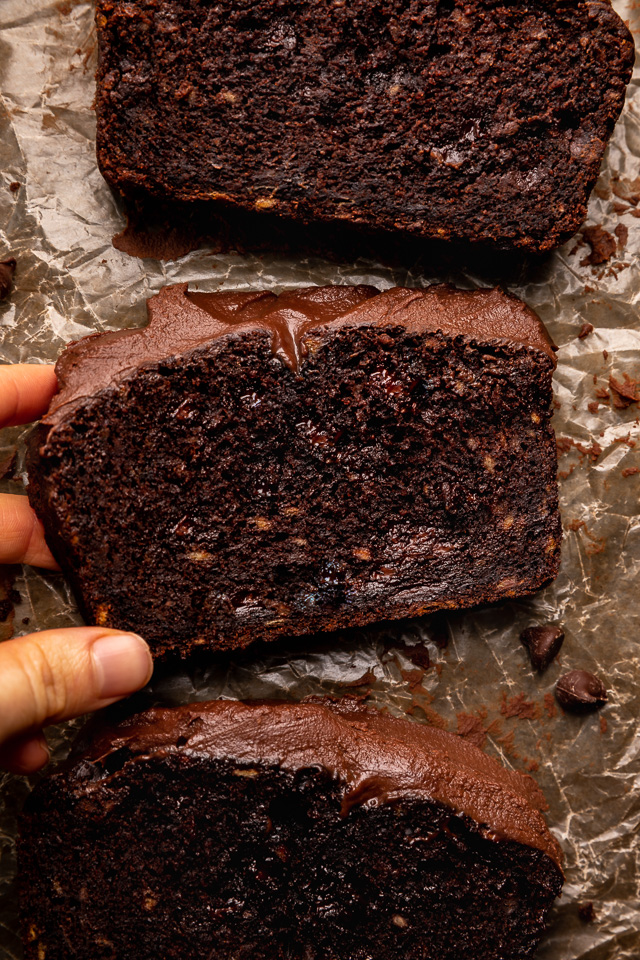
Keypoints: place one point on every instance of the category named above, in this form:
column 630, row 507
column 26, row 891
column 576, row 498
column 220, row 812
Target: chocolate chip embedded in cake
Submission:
column 284, row 830
column 452, row 120
column 251, row 466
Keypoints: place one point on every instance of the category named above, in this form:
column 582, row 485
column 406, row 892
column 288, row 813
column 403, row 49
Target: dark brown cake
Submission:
column 251, row 466
column 477, row 120
column 291, row 831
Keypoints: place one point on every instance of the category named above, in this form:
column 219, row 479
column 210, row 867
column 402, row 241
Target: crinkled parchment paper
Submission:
column 70, row 282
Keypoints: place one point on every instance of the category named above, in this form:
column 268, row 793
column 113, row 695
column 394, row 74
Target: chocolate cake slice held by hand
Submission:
column 469, row 121
column 230, row 830
column 252, row 466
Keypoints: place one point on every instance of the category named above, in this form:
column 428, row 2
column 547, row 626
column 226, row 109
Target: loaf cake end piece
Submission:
column 444, row 119
column 284, row 830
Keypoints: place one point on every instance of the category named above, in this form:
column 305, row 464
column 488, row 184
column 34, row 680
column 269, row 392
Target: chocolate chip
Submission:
column 587, row 912
column 585, row 330
column 579, row 690
column 543, row 644
column 7, row 270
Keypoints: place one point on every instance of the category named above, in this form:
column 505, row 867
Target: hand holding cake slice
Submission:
column 252, row 466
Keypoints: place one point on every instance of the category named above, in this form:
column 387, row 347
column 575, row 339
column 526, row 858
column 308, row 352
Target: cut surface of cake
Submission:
column 473, row 121
column 228, row 829
column 252, row 466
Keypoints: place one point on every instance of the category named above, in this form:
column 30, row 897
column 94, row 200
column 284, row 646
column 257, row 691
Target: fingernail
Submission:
column 122, row 664
column 32, row 755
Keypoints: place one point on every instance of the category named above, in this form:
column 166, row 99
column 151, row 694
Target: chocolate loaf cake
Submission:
column 472, row 121
column 296, row 831
column 252, row 466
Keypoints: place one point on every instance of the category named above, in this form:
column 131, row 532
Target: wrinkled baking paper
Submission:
column 71, row 282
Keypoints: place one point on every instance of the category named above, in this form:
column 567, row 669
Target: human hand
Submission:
column 57, row 674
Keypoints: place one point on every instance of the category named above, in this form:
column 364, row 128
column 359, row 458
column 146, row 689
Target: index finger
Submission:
column 26, row 390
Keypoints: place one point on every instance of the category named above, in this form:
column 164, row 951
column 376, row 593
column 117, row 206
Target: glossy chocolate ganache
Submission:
column 252, row 466
column 181, row 320
column 282, row 830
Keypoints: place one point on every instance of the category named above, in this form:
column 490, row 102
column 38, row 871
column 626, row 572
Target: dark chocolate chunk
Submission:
column 7, row 270
column 446, row 119
column 580, row 690
column 585, row 330
column 586, row 912
column 543, row 644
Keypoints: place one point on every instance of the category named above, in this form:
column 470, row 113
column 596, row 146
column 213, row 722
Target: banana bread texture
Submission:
column 449, row 119
column 251, row 466
column 299, row 831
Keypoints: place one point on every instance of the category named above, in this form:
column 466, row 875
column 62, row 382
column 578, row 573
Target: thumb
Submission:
column 59, row 674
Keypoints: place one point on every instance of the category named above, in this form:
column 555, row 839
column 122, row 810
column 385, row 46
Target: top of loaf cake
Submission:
column 379, row 758
column 181, row 321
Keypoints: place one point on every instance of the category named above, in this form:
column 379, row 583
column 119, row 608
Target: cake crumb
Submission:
column 625, row 391
column 622, row 233
column 472, row 729
column 364, row 681
column 603, row 245
column 519, row 707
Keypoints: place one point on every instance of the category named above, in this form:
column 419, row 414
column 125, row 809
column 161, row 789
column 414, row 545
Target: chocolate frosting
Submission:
column 180, row 321
column 378, row 758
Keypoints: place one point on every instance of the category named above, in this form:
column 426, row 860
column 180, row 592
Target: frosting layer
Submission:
column 180, row 321
column 378, row 758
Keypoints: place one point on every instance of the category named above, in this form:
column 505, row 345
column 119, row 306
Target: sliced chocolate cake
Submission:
column 296, row 831
column 474, row 120
column 252, row 466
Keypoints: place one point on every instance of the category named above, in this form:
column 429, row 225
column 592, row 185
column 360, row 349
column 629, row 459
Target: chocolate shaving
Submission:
column 622, row 233
column 519, row 707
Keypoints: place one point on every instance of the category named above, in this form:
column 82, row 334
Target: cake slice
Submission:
column 452, row 119
column 298, row 831
column 251, row 466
